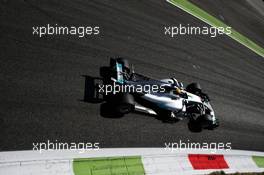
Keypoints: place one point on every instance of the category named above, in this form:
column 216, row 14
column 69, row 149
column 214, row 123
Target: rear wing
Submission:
column 119, row 71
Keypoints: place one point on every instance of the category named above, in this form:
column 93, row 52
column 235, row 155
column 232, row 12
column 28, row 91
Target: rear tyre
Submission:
column 124, row 103
column 118, row 105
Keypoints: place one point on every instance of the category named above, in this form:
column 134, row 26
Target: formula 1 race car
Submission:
column 126, row 91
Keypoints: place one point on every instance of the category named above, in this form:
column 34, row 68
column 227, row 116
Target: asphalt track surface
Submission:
column 42, row 83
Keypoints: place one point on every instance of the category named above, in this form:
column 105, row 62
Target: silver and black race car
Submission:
column 126, row 91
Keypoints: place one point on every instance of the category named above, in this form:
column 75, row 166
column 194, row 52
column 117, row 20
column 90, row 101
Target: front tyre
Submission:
column 194, row 126
column 202, row 122
column 206, row 121
column 194, row 88
column 167, row 116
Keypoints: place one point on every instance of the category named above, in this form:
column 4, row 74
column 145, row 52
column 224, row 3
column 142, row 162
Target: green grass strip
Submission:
column 259, row 161
column 131, row 165
column 209, row 19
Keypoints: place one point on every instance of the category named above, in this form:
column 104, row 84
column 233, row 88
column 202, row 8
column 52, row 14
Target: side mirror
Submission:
column 181, row 85
column 132, row 68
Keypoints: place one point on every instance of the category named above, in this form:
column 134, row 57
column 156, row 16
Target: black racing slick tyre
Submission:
column 166, row 116
column 194, row 126
column 202, row 122
column 194, row 88
column 206, row 121
column 117, row 105
column 124, row 103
